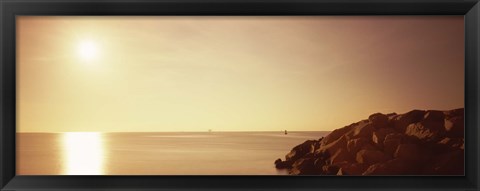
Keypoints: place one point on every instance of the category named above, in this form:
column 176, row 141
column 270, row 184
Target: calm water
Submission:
column 216, row 153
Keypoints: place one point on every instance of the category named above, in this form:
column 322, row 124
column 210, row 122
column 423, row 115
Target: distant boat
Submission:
column 286, row 132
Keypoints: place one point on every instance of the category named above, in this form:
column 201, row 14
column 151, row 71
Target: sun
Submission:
column 87, row 50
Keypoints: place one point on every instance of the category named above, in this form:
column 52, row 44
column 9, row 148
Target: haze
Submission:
column 109, row 74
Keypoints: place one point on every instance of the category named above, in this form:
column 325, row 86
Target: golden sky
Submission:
column 232, row 73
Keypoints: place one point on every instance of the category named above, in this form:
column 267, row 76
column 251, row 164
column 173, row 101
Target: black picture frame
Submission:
column 9, row 9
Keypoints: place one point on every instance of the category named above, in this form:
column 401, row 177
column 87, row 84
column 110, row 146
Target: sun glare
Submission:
column 87, row 50
column 83, row 153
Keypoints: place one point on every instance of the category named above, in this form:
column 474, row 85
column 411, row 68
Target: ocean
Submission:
column 156, row 153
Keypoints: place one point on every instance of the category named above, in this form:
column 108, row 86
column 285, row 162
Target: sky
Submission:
column 232, row 73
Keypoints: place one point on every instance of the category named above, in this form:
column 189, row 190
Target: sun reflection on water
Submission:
column 84, row 153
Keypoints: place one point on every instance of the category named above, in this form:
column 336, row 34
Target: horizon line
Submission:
column 167, row 131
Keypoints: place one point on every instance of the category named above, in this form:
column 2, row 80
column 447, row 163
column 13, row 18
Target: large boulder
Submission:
column 431, row 128
column 330, row 169
column 341, row 155
column 378, row 136
column 333, row 147
column 455, row 126
column 361, row 130
column 355, row 145
column 434, row 116
column 300, row 150
column 400, row 122
column 304, row 166
column 449, row 144
column 426, row 131
column 451, row 163
column 352, row 168
column 371, row 157
column 412, row 153
column 378, row 120
column 391, row 116
column 391, row 142
column 393, row 167
column 336, row 134
column 454, row 113
column 283, row 164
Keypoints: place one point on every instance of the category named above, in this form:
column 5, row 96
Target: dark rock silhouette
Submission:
column 415, row 143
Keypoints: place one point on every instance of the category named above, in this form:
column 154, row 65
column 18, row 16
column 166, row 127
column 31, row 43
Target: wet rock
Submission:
column 282, row 164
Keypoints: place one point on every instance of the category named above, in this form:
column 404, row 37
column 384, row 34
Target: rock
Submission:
column 330, row 169
column 282, row 164
column 451, row 163
column 368, row 146
column 314, row 146
column 448, row 143
column 378, row 137
column 300, row 150
column 354, row 145
column 362, row 130
column 455, row 126
column 320, row 162
column 336, row 134
column 426, row 131
column 431, row 128
column 392, row 167
column 454, row 113
column 378, row 120
column 391, row 115
column 401, row 122
column 333, row 147
column 391, row 142
column 353, row 168
column 411, row 152
column 371, row 157
column 341, row 173
column 341, row 155
column 304, row 166
column 434, row 116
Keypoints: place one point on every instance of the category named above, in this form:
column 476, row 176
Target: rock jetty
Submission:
column 415, row 143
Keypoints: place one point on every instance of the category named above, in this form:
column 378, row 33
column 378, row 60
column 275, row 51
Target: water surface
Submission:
column 153, row 153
